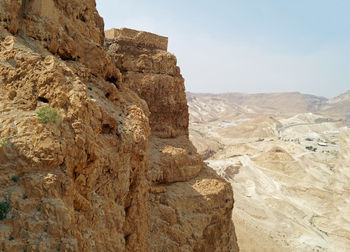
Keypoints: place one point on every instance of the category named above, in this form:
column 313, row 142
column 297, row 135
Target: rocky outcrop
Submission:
column 149, row 70
column 81, row 184
column 152, row 73
column 70, row 29
column 118, row 172
column 176, row 172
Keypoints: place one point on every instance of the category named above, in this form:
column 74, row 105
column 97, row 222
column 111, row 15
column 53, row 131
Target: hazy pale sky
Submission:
column 249, row 46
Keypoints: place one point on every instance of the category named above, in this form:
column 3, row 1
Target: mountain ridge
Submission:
column 273, row 103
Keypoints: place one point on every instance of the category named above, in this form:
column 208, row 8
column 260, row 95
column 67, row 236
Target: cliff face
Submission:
column 151, row 72
column 118, row 173
column 190, row 206
column 70, row 29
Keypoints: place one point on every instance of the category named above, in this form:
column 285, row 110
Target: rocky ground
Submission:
column 289, row 171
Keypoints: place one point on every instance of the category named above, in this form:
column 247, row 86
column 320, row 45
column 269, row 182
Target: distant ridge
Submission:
column 219, row 105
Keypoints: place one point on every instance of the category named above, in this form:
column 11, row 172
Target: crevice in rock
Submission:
column 43, row 99
column 81, row 17
column 107, row 129
column 114, row 81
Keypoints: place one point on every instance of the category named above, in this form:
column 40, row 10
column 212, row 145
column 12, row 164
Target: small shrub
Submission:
column 311, row 148
column 200, row 133
column 121, row 123
column 236, row 155
column 11, row 238
column 90, row 88
column 4, row 142
column 47, row 115
column 15, row 178
column 4, row 209
column 25, row 197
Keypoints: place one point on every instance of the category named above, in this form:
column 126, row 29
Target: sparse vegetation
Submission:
column 25, row 197
column 90, row 88
column 233, row 156
column 47, row 115
column 322, row 231
column 311, row 148
column 200, row 133
column 312, row 223
column 15, row 178
column 11, row 238
column 4, row 209
column 4, row 142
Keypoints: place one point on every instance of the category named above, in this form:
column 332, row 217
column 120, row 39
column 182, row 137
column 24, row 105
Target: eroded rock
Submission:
column 189, row 206
column 104, row 177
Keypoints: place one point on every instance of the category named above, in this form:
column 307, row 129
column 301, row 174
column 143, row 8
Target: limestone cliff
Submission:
column 194, row 213
column 118, row 173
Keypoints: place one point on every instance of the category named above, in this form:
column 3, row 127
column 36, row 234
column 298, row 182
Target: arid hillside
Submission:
column 212, row 106
column 339, row 105
column 89, row 159
column 289, row 168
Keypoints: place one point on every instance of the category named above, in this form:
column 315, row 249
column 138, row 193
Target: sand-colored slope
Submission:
column 260, row 127
column 288, row 196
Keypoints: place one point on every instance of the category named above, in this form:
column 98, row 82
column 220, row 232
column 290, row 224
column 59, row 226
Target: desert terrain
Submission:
column 287, row 158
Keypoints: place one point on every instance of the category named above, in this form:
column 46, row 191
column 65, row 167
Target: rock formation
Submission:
column 119, row 172
column 149, row 70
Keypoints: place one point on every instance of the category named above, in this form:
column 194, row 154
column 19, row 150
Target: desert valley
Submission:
column 102, row 149
column 286, row 156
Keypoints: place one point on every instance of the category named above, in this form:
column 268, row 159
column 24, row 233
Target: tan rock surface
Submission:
column 139, row 38
column 183, row 226
column 97, row 180
column 152, row 73
column 68, row 172
column 70, row 29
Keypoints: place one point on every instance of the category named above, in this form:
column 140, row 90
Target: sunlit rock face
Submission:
column 117, row 171
column 176, row 172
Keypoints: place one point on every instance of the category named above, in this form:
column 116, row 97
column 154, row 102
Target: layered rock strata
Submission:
column 176, row 172
column 118, row 173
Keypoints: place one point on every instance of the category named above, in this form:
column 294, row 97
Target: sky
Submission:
column 248, row 46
